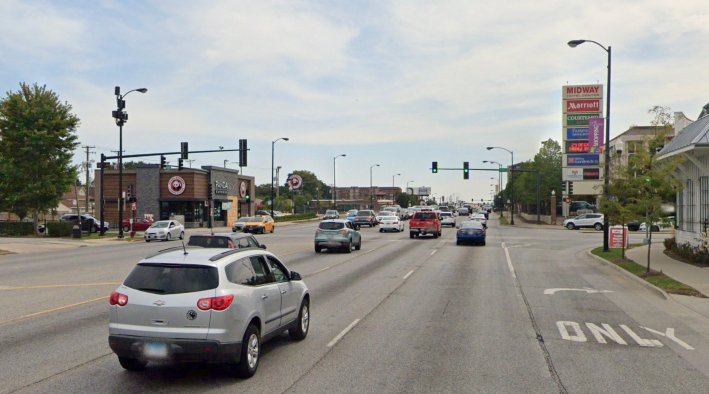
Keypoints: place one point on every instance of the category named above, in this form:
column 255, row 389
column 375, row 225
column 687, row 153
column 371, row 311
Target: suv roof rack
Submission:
column 174, row 248
column 228, row 253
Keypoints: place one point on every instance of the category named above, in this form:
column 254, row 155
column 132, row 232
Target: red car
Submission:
column 138, row 224
column 424, row 223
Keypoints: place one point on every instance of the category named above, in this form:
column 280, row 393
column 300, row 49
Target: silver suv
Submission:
column 206, row 305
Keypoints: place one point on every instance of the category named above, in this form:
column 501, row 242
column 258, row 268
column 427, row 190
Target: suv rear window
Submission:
column 331, row 226
column 425, row 216
column 209, row 241
column 172, row 278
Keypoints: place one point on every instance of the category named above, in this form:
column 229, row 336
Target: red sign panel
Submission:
column 573, row 106
column 576, row 147
column 618, row 237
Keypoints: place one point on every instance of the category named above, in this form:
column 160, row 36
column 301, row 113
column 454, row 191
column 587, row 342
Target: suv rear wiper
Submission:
column 149, row 290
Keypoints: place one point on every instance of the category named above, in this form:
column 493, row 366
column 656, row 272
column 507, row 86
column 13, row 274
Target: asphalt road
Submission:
column 424, row 315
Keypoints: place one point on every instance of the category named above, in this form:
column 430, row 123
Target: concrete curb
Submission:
column 631, row 276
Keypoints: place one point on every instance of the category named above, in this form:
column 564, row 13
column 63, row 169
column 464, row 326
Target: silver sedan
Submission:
column 164, row 230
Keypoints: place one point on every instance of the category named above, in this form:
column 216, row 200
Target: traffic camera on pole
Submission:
column 466, row 170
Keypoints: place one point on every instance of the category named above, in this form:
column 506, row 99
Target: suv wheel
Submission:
column 250, row 352
column 359, row 245
column 348, row 248
column 598, row 227
column 132, row 364
column 318, row 249
column 570, row 226
column 303, row 322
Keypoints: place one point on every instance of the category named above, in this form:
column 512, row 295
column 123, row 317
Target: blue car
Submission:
column 351, row 216
column 470, row 232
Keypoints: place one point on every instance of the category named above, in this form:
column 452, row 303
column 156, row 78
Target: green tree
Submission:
column 548, row 162
column 37, row 139
column 621, row 208
column 311, row 184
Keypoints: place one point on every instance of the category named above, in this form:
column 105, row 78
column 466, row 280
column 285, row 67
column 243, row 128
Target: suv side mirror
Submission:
column 262, row 246
column 295, row 276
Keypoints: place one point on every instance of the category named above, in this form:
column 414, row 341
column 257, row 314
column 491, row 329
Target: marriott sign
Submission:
column 582, row 106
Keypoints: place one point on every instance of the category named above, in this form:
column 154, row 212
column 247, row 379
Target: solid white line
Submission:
column 509, row 261
column 409, row 274
column 342, row 334
column 434, row 251
column 319, row 271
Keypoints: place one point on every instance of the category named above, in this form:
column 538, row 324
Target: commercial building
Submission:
column 360, row 198
column 179, row 195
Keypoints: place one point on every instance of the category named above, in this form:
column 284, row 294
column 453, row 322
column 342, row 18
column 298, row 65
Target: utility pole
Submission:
column 190, row 161
column 88, row 168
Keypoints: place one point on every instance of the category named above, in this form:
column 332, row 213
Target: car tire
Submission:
column 411, row 235
column 349, row 247
column 318, row 249
column 147, row 240
column 132, row 364
column 250, row 353
column 359, row 245
column 435, row 235
column 273, row 229
column 457, row 242
column 598, row 227
column 126, row 229
column 483, row 243
column 571, row 226
column 381, row 230
column 182, row 235
column 655, row 229
column 303, row 322
column 168, row 237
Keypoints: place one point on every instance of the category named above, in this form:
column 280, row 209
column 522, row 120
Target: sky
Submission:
column 397, row 83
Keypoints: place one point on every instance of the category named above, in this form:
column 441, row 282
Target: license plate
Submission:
column 155, row 350
column 330, row 237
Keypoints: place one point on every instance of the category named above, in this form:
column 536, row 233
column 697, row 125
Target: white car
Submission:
column 164, row 230
column 479, row 217
column 390, row 223
column 447, row 219
column 239, row 224
column 587, row 220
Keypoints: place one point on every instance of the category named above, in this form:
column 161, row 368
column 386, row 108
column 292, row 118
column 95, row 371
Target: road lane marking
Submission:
column 588, row 290
column 670, row 333
column 343, row 333
column 434, row 252
column 640, row 341
column 53, row 310
column 579, row 337
column 319, row 271
column 607, row 331
column 600, row 334
column 297, row 251
column 407, row 275
column 53, row 286
column 509, row 261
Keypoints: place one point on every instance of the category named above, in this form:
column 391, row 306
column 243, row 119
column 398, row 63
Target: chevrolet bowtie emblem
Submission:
column 159, row 303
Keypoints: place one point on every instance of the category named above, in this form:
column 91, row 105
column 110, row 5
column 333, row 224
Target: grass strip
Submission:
column 658, row 279
column 93, row 236
column 504, row 221
column 5, row 252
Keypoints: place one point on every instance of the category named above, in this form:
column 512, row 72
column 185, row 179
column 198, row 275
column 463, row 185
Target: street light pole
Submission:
column 121, row 118
column 371, row 193
column 607, row 156
column 393, row 186
column 225, row 161
column 511, row 178
column 273, row 151
column 334, row 183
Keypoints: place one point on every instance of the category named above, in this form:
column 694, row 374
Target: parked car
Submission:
column 278, row 214
column 587, row 220
column 206, row 306
column 86, row 217
column 470, row 232
column 479, row 217
column 164, row 230
column 239, row 224
column 260, row 224
column 424, row 223
column 225, row 240
column 390, row 223
column 331, row 214
column 337, row 235
column 365, row 218
column 447, row 219
column 139, row 224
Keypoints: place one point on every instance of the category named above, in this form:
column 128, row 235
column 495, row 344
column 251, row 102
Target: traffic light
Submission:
column 466, row 170
column 179, row 164
column 163, row 162
column 129, row 193
column 184, row 151
column 248, row 195
column 210, row 191
column 434, row 167
column 571, row 188
column 568, row 201
column 242, row 153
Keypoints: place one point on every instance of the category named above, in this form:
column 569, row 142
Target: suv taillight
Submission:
column 318, row 231
column 342, row 231
column 118, row 299
column 216, row 303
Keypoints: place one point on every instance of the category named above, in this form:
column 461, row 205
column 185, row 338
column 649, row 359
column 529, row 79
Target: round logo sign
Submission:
column 176, row 185
column 296, row 181
column 242, row 189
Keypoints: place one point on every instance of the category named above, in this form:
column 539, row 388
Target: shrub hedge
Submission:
column 299, row 216
column 16, row 228
column 691, row 254
column 59, row 229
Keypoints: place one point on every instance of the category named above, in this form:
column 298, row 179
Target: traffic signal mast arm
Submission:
column 170, row 153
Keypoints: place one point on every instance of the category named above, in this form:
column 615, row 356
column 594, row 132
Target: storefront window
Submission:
column 193, row 210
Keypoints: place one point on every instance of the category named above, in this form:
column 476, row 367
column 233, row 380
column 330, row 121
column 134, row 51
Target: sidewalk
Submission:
column 688, row 274
column 519, row 222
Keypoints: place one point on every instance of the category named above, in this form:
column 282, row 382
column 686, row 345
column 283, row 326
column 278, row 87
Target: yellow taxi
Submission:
column 260, row 224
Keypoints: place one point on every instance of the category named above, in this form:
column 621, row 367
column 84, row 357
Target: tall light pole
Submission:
column 334, row 184
column 512, row 188
column 371, row 193
column 499, row 182
column 121, row 118
column 278, row 181
column 225, row 161
column 393, row 186
column 273, row 150
column 606, row 172
column 407, row 187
